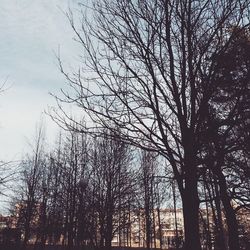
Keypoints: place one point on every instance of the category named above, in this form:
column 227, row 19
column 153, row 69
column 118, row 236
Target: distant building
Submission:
column 167, row 230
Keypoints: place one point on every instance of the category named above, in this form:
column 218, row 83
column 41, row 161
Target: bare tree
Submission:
column 228, row 121
column 149, row 68
column 31, row 175
column 55, row 213
column 112, row 185
column 148, row 170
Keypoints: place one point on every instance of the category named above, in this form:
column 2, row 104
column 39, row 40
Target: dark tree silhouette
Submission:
column 227, row 135
column 113, row 187
column 31, row 176
column 149, row 69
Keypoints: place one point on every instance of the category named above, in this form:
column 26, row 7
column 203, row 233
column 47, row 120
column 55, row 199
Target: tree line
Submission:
column 174, row 77
column 171, row 78
column 85, row 191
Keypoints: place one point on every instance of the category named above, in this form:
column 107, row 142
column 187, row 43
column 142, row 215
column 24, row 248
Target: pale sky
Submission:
column 31, row 31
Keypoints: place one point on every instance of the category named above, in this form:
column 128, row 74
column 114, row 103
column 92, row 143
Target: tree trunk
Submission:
column 221, row 237
column 208, row 228
column 230, row 215
column 175, row 218
column 27, row 224
column 109, row 230
column 190, row 202
column 148, row 228
column 160, row 227
column 189, row 194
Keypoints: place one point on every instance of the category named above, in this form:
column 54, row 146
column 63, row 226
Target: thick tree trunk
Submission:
column 109, row 230
column 189, row 194
column 230, row 215
column 190, row 202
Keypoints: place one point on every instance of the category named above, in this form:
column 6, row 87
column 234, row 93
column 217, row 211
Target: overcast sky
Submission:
column 30, row 33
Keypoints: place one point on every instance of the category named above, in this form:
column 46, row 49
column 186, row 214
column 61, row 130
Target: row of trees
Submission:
column 173, row 76
column 85, row 191
column 173, row 79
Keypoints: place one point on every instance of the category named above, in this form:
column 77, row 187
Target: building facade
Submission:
column 165, row 229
